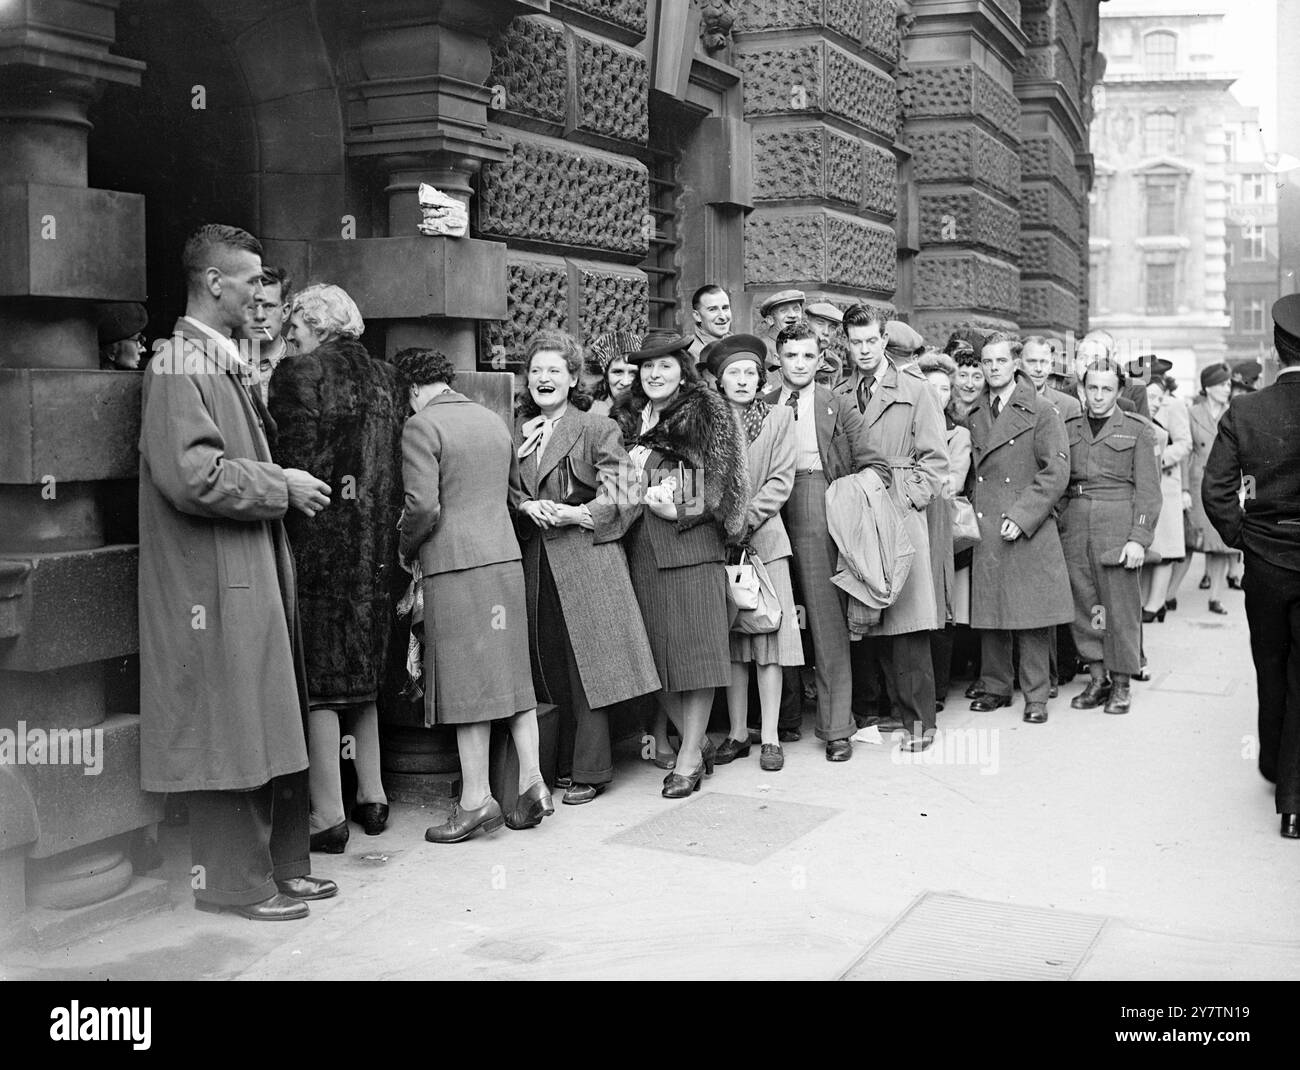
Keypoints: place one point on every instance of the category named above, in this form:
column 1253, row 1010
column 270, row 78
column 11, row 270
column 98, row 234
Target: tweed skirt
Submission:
column 783, row 646
column 685, row 614
column 476, row 644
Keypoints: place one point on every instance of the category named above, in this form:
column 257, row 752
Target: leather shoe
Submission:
column 975, row 689
column 372, row 817
column 1291, row 826
column 1035, row 712
column 308, row 888
column 916, row 744
column 462, row 824
column 1053, row 691
column 330, row 841
column 278, row 908
column 1217, row 607
column 986, row 702
column 772, row 758
column 730, row 750
column 533, row 805
column 1204, row 585
column 789, row 735
column 577, row 794
column 678, row 786
column 1092, row 696
column 886, row 725
column 839, row 750
column 1121, row 698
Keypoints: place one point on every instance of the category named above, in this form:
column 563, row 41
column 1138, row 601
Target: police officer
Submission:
column 1108, row 521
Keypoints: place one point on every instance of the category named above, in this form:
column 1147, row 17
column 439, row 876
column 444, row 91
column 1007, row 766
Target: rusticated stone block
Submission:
column 778, row 79
column 1045, row 206
column 778, row 14
column 860, row 93
column 788, row 162
column 1047, row 304
column 1046, row 157
column 528, row 63
column 845, row 16
column 937, row 327
column 553, row 193
column 613, row 90
column 880, row 174
column 784, row 247
column 860, row 254
column 609, row 299
column 1050, row 63
column 965, row 90
column 537, row 293
column 969, row 218
column 1047, row 254
column 844, row 168
column 964, row 152
column 967, row 281
column 630, row 14
column 880, row 26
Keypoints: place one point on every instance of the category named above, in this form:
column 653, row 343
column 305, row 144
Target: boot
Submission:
column 1120, row 699
column 1098, row 689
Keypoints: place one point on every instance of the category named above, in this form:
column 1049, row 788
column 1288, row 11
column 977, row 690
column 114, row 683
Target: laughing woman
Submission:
column 589, row 647
column 688, row 451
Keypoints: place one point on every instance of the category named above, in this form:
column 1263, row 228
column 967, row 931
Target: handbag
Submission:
column 765, row 617
column 577, row 482
column 965, row 528
column 742, row 585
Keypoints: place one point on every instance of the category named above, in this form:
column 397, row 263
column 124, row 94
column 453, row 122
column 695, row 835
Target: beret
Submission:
column 117, row 320
column 659, row 343
column 824, row 310
column 726, row 351
column 781, row 297
column 901, row 338
column 1214, row 374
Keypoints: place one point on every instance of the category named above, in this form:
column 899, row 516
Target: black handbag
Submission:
column 577, row 482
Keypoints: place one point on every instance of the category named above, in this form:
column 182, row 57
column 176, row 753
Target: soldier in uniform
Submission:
column 1109, row 520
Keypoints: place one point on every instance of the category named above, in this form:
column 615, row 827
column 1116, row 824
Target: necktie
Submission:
column 864, row 391
column 997, row 407
column 793, row 402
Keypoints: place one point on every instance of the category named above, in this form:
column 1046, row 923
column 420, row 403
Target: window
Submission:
column 1160, row 289
column 1254, row 317
column 1161, row 51
column 660, row 261
column 1254, row 188
column 1229, row 145
column 1252, row 242
column 1230, row 249
column 1162, row 204
column 1159, row 132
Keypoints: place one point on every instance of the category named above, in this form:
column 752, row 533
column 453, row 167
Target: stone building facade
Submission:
column 930, row 156
column 1250, row 240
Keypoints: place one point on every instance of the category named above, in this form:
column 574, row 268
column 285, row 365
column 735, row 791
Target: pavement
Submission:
column 1156, row 825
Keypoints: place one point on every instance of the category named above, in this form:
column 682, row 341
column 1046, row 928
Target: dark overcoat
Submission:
column 600, row 609
column 339, row 415
column 222, row 699
column 1021, row 464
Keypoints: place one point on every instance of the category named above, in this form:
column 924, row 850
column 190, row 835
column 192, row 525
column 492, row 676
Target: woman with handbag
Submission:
column 1108, row 520
column 588, row 645
column 688, row 457
column 941, row 372
column 737, row 366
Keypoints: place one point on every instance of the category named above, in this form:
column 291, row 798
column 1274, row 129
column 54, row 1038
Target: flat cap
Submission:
column 717, row 356
column 781, row 297
column 901, row 339
column 659, row 343
column 824, row 310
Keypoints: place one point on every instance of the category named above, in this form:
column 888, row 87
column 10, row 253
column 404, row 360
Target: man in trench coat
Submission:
column 222, row 692
column 1019, row 584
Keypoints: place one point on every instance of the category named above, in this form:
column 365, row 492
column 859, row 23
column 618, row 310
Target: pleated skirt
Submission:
column 685, row 614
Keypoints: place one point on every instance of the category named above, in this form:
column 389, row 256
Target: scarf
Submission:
column 751, row 419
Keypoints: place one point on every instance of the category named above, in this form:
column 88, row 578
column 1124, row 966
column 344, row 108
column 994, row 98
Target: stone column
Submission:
column 67, row 601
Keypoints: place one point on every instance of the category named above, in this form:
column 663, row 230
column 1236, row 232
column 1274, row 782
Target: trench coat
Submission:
column 903, row 421
column 771, row 477
column 1204, row 430
column 600, row 609
column 222, row 688
column 1022, row 466
column 1173, row 426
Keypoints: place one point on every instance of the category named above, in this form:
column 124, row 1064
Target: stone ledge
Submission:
column 47, row 930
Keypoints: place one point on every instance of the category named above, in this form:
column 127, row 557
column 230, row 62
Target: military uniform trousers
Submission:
column 1107, row 624
column 825, row 605
column 1273, row 610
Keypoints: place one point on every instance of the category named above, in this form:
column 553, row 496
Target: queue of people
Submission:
column 657, row 526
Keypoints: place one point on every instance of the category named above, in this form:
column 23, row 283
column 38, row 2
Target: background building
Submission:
column 1159, row 202
column 930, row 156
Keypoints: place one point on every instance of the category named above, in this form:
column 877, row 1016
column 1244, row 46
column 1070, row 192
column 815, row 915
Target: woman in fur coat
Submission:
column 688, row 458
column 338, row 413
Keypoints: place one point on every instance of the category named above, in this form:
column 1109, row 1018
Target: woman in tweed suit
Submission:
column 688, row 459
column 737, row 367
column 588, row 650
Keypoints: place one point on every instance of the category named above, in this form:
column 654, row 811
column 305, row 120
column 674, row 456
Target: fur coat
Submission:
column 339, row 415
column 700, row 431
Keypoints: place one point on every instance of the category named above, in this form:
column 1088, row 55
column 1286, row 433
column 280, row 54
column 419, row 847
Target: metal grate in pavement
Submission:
column 945, row 937
column 1187, row 683
column 731, row 828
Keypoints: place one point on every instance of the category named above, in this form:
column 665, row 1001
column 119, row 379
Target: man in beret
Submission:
column 1258, row 446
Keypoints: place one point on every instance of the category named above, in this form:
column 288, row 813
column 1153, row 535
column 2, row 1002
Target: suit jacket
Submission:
column 1259, row 441
column 459, row 471
column 771, row 477
column 841, row 435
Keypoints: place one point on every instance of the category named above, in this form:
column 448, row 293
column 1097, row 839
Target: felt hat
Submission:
column 659, row 343
column 1214, row 374
column 719, row 355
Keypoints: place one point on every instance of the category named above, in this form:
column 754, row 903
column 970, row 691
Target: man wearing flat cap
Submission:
column 1258, row 445
column 825, row 319
column 780, row 310
column 902, row 343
